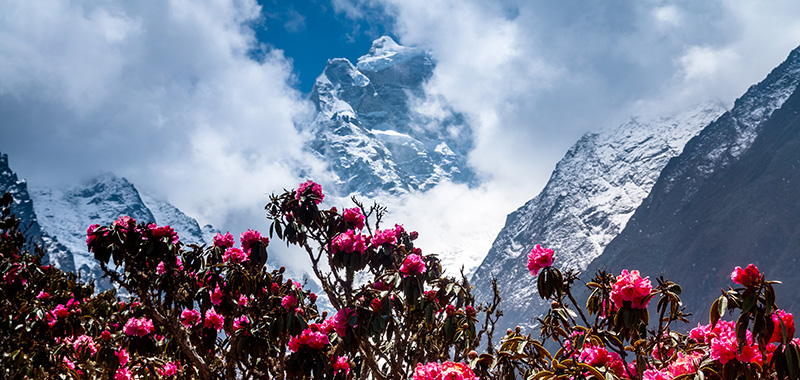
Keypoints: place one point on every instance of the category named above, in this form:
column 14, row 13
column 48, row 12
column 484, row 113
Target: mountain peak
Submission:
column 385, row 52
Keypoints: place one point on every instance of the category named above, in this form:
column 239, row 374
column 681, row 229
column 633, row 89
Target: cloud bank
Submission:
column 178, row 96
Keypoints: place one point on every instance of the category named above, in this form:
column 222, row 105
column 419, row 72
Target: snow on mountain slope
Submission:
column 166, row 214
column 67, row 213
column 367, row 126
column 588, row 200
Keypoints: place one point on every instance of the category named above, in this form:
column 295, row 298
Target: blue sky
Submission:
column 197, row 100
column 311, row 31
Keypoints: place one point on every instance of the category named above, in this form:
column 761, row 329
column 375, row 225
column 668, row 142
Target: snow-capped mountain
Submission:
column 67, row 213
column 371, row 129
column 29, row 223
column 589, row 198
column 730, row 199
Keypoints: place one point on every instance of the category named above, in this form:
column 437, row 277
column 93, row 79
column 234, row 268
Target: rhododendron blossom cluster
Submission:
column 354, row 217
column 539, row 258
column 223, row 241
column 387, row 236
column 315, row 188
column 139, row 327
column 630, row 286
column 250, row 237
column 747, row 277
column 444, row 371
column 412, row 265
column 314, row 339
column 350, row 241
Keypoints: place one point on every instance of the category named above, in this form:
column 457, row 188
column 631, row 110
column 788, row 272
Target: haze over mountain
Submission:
column 586, row 205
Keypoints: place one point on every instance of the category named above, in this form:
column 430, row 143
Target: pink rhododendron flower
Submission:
column 85, row 341
column 160, row 269
column 722, row 342
column 749, row 276
column 539, row 258
column 60, row 311
column 631, row 287
column 316, row 190
column 124, row 222
column 341, row 364
column 600, row 357
column 312, row 297
column 214, row 320
column 164, row 231
column 105, row 336
column 139, row 327
column 354, row 217
column 445, row 371
column 376, row 305
column 788, row 322
column 240, row 322
column 169, row 369
column 349, row 242
column 223, row 241
column 412, row 265
column 89, row 236
column 310, row 338
column 654, row 374
column 250, row 237
column 123, row 356
column 235, row 255
column 340, row 321
column 123, row 374
column 190, row 317
column 216, row 296
column 243, row 300
column 685, row 364
column 43, row 295
column 387, row 236
column 289, row 302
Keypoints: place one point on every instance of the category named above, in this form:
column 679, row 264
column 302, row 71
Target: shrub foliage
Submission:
column 207, row 312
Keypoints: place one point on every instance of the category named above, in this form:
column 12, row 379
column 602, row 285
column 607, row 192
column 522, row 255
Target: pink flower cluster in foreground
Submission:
column 539, row 258
column 190, row 317
column 214, row 320
column 235, row 255
column 169, row 369
column 387, row 236
column 354, row 217
column 139, row 327
column 788, row 322
column 250, row 237
column 223, row 241
column 340, row 320
column 749, row 276
column 722, row 342
column 314, row 339
column 412, row 265
column 341, row 364
column 597, row 356
column 163, row 231
column 316, row 190
column 349, row 242
column 444, row 371
column 630, row 286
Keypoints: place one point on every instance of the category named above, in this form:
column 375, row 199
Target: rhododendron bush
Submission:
column 189, row 311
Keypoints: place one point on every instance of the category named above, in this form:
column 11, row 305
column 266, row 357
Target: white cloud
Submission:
column 701, row 62
column 667, row 15
column 164, row 93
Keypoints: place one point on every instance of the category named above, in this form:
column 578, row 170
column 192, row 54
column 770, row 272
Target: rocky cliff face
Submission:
column 370, row 130
column 588, row 200
column 730, row 199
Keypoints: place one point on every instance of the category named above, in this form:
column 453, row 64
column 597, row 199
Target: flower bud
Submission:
column 472, row 355
column 283, row 269
column 518, row 329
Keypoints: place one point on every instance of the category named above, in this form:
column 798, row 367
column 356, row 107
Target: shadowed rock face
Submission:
column 604, row 178
column 732, row 198
column 371, row 132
